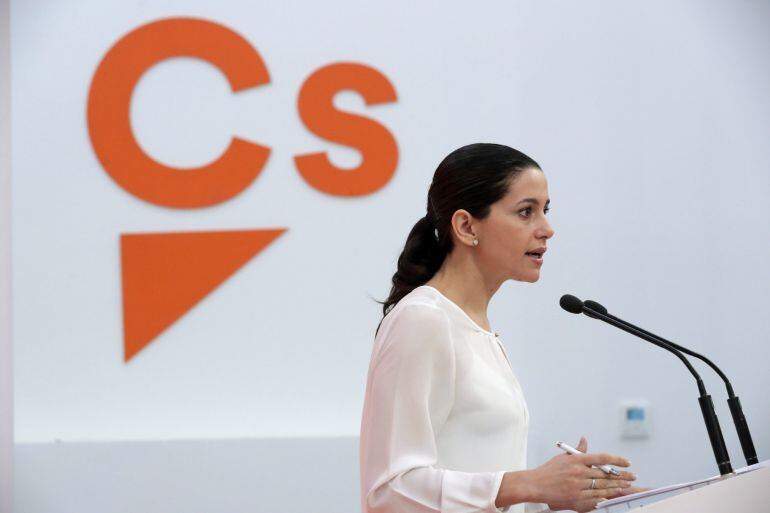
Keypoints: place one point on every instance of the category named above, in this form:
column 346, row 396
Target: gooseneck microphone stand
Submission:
column 741, row 426
column 576, row 306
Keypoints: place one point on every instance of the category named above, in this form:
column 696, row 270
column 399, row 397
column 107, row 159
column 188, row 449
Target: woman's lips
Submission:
column 538, row 259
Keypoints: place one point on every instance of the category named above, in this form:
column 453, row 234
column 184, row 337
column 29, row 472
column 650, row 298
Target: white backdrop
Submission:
column 6, row 349
column 650, row 120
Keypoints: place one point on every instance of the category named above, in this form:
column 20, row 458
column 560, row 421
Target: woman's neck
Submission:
column 461, row 280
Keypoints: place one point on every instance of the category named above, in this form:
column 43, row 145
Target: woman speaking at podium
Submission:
column 444, row 425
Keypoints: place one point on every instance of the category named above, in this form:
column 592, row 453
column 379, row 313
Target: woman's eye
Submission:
column 527, row 212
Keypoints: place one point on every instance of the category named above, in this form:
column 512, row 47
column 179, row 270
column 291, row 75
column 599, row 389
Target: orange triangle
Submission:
column 166, row 274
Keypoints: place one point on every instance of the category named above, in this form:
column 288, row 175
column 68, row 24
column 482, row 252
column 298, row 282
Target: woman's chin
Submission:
column 527, row 277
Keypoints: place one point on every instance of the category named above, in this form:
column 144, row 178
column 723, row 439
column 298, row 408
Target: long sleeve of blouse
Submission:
column 434, row 412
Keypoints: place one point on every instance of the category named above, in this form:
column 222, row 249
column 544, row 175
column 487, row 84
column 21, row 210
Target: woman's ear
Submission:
column 464, row 227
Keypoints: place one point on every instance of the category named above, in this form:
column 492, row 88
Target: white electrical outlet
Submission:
column 634, row 419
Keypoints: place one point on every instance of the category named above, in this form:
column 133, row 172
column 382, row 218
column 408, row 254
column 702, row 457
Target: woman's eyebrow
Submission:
column 534, row 201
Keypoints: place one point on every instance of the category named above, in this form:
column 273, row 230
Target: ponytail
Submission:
column 422, row 256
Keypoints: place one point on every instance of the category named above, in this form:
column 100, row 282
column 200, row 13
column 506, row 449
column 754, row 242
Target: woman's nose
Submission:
column 546, row 231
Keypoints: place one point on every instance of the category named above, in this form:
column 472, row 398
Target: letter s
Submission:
column 376, row 144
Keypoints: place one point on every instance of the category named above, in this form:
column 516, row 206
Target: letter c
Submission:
column 109, row 124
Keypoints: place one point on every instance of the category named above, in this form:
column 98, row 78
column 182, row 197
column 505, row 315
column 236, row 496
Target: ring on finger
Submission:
column 593, row 484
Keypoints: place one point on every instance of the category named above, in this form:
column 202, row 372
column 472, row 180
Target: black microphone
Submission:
column 576, row 306
column 741, row 426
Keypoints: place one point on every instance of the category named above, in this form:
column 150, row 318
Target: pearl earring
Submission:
column 475, row 242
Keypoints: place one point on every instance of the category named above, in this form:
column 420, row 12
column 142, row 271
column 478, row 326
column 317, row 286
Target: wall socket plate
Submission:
column 634, row 419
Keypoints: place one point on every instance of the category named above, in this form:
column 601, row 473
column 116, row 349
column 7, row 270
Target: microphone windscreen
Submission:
column 571, row 304
column 596, row 307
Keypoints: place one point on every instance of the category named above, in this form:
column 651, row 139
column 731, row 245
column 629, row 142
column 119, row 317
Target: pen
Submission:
column 571, row 450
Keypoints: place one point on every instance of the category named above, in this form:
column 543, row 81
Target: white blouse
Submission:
column 444, row 416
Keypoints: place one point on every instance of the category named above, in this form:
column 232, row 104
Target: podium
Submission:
column 745, row 491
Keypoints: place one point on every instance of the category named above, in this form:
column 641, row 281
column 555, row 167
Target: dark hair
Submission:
column 472, row 178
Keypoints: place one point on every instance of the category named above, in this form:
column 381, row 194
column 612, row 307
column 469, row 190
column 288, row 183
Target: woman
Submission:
column 444, row 424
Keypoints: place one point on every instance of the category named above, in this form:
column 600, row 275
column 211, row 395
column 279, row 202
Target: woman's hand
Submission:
column 569, row 482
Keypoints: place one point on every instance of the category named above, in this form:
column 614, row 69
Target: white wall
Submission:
column 6, row 350
column 650, row 120
column 183, row 476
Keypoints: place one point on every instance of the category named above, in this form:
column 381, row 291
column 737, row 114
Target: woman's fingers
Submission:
column 601, row 493
column 583, row 444
column 589, row 505
column 635, row 489
column 622, row 475
column 590, row 499
column 601, row 458
column 600, row 484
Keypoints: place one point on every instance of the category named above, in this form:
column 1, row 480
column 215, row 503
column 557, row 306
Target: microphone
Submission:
column 576, row 306
column 741, row 425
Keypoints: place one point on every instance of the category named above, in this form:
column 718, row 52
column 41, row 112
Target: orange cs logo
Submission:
column 166, row 274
